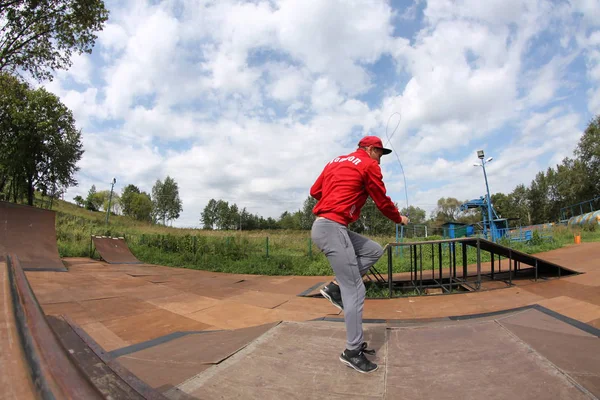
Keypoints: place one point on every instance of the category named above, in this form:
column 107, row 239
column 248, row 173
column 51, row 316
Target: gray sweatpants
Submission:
column 350, row 255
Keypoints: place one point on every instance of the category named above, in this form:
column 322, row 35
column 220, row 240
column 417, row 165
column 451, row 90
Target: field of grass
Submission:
column 275, row 252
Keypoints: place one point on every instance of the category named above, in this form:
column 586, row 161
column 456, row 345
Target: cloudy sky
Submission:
column 245, row 101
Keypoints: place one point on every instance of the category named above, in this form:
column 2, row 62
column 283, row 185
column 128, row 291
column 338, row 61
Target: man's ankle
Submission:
column 352, row 353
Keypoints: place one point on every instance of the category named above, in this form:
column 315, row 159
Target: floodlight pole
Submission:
column 110, row 198
column 481, row 156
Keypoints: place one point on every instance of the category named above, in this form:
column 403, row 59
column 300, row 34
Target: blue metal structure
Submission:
column 567, row 213
column 481, row 156
column 494, row 227
column 454, row 230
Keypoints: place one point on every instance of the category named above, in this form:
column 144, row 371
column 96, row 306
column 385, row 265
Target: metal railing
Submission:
column 447, row 266
column 592, row 204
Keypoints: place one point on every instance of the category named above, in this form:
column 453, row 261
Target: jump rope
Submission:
column 389, row 141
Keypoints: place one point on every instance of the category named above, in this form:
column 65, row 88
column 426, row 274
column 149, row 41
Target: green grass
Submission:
column 276, row 252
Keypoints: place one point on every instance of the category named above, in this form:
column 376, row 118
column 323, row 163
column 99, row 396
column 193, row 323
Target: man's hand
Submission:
column 404, row 220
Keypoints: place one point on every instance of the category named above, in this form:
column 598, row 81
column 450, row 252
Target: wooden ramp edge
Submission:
column 61, row 361
column 30, row 233
column 114, row 250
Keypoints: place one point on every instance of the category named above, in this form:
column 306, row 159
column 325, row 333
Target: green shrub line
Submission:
column 261, row 252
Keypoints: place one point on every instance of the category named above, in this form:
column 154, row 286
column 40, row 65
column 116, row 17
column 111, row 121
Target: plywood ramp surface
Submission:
column 515, row 355
column 29, row 233
column 114, row 250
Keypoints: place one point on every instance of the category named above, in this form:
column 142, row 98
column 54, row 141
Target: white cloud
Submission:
column 593, row 71
column 146, row 59
column 80, row 69
column 246, row 101
column 113, row 38
column 331, row 37
column 463, row 83
column 325, row 95
column 288, row 83
column 83, row 104
column 589, row 9
column 544, row 85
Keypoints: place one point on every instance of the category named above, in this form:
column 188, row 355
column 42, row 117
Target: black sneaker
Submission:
column 332, row 293
column 356, row 359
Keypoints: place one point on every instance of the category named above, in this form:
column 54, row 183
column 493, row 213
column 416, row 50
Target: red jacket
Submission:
column 344, row 185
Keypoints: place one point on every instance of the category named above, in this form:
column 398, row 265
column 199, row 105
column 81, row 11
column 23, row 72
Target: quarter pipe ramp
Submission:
column 114, row 250
column 29, row 233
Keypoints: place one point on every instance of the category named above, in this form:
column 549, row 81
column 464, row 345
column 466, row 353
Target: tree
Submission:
column 209, row 215
column 448, row 209
column 372, row 221
column 101, row 199
column 40, row 145
column 501, row 204
column 538, row 198
column 574, row 185
column 141, row 207
column 306, row 215
column 248, row 221
column 115, row 202
column 234, row 216
column 127, row 195
column 289, row 220
column 415, row 214
column 93, row 201
column 588, row 152
column 13, row 103
column 223, row 218
column 79, row 201
column 51, row 193
column 221, row 215
column 41, row 35
column 520, row 208
column 165, row 200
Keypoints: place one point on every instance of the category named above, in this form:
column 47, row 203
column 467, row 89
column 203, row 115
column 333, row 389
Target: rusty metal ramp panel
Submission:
column 490, row 357
column 29, row 233
column 51, row 357
column 15, row 379
column 114, row 250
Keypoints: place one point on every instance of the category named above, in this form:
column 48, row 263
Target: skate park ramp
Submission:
column 29, row 233
column 50, row 357
column 526, row 353
column 114, row 250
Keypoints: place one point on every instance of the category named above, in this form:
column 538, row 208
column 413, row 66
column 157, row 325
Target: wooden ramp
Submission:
column 114, row 250
column 29, row 233
column 191, row 352
column 50, row 357
column 529, row 353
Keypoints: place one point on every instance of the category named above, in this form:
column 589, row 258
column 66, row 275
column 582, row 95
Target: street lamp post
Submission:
column 110, row 198
column 481, row 156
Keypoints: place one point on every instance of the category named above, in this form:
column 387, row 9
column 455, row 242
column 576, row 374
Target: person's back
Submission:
column 346, row 182
column 343, row 187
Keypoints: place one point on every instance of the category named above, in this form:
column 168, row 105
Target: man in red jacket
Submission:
column 341, row 191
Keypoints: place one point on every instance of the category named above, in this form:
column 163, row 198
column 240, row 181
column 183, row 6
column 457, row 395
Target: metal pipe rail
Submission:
column 53, row 374
column 449, row 254
column 63, row 362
